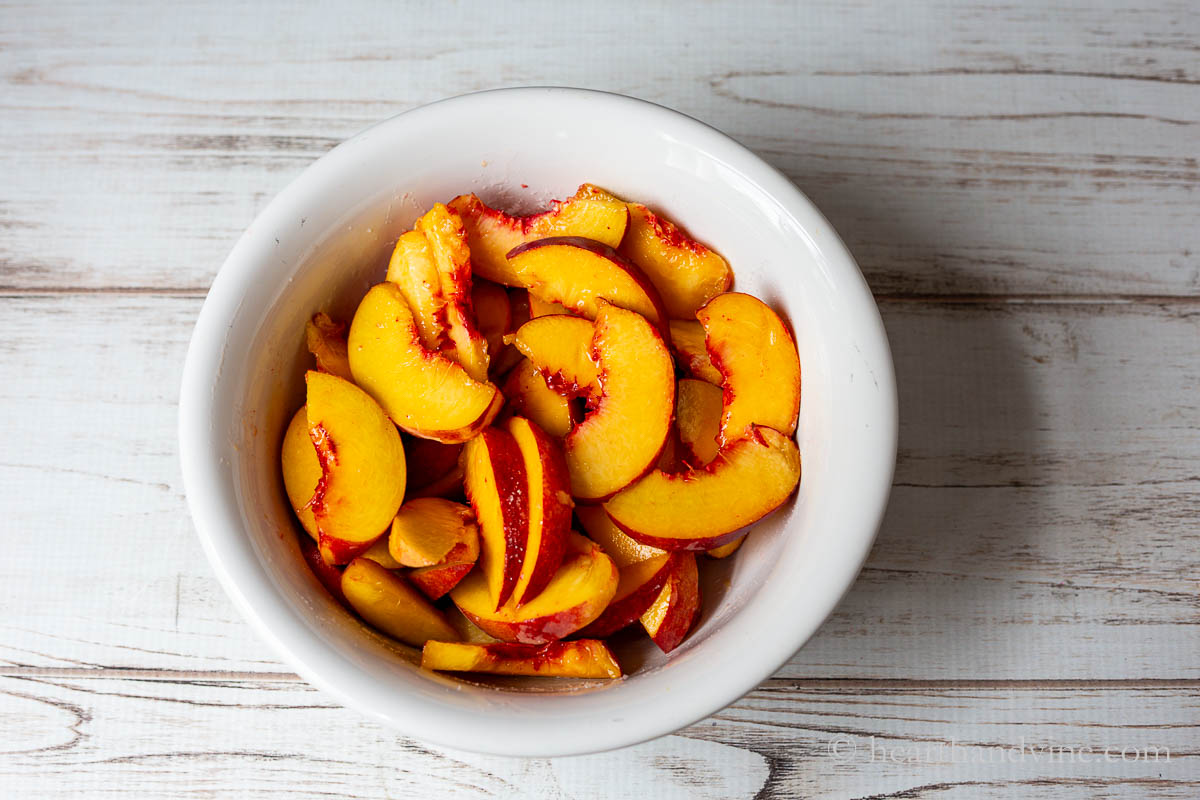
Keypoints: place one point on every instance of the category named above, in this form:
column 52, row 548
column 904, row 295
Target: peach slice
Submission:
column 447, row 240
column 756, row 355
column 706, row 507
column 583, row 658
column 698, row 407
column 620, row 439
column 429, row 531
column 362, row 465
column 560, row 347
column 549, row 507
column 326, row 340
column 426, row 394
column 529, row 396
column 677, row 607
column 387, row 602
column 725, row 550
column 439, row 579
column 301, row 470
column 414, row 271
column 544, row 308
column 638, row 587
column 491, row 234
column 493, row 313
column 577, row 273
column 329, row 575
column 381, row 554
column 576, row 595
column 498, row 489
column 467, row 631
column 687, row 340
column 686, row 273
column 622, row 548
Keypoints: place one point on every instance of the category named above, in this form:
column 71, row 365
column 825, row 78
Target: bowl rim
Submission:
column 214, row 506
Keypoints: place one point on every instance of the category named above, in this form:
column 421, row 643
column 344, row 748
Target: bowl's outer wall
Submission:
column 326, row 239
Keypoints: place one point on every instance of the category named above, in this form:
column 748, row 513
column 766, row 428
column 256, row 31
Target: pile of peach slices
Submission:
column 586, row 363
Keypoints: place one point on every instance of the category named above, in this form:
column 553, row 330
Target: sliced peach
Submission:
column 549, row 507
column 637, row 588
column 436, row 581
column 530, row 397
column 687, row 340
column 544, row 308
column 576, row 595
column 686, row 273
column 429, row 531
column 301, row 470
column 426, row 394
column 381, row 555
column 414, row 271
column 329, row 575
column 706, row 507
column 326, row 340
column 387, row 602
column 498, row 489
column 578, row 273
column 493, row 312
column 467, row 631
column 560, row 347
column 362, row 464
column 620, row 439
column 677, row 607
column 622, row 548
column 583, row 658
column 698, row 407
column 725, row 550
column 755, row 353
column 447, row 240
column 491, row 234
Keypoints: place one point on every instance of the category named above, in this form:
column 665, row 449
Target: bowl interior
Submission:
column 326, row 239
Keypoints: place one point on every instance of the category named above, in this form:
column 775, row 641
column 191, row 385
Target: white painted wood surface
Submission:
column 1020, row 184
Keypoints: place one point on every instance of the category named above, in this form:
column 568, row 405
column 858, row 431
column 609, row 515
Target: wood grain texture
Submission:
column 1037, row 148
column 165, row 738
column 1045, row 493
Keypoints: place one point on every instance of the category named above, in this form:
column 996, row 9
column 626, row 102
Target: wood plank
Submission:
column 208, row 738
column 1043, row 523
column 1029, row 148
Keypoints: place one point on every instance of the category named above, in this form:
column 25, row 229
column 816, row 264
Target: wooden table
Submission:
column 1021, row 187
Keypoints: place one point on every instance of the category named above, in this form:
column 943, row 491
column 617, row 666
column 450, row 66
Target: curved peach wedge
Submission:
column 698, row 407
column 413, row 269
column 434, row 582
column 687, row 340
column 760, row 369
column 425, row 393
column 673, row 613
column 387, row 602
column 362, row 464
column 498, row 489
column 530, row 397
column 447, row 241
column 560, row 347
column 686, row 273
column 429, row 531
column 622, row 548
column 301, row 470
column 576, row 595
column 583, row 658
column 637, row 589
column 620, row 439
column 491, row 233
column 549, row 507
column 706, row 507
column 326, row 340
column 577, row 273
column 493, row 312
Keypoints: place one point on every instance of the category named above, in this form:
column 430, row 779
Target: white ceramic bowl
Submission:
column 326, row 238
